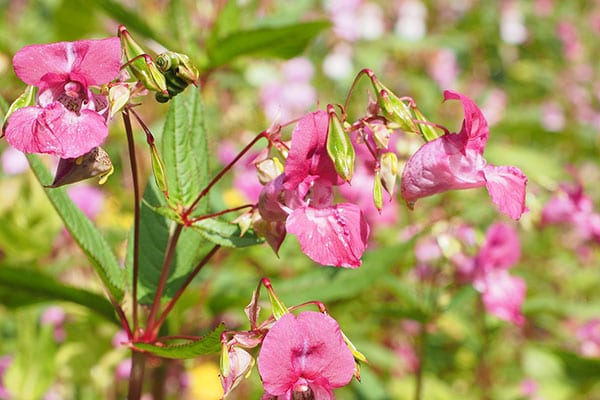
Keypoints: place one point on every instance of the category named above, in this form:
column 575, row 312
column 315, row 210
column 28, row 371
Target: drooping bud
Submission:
column 269, row 169
column 392, row 107
column 179, row 72
column 381, row 134
column 339, row 146
column 428, row 132
column 388, row 169
column 118, row 97
column 26, row 99
column 158, row 168
column 141, row 64
column 236, row 365
column 94, row 163
column 378, row 192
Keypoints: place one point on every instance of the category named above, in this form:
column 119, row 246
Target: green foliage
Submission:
column 225, row 233
column 209, row 344
column 84, row 232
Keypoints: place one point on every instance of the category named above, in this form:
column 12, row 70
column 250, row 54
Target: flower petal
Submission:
column 308, row 159
column 441, row 165
column 94, row 61
column 475, row 126
column 506, row 186
column 335, row 235
column 503, row 296
column 501, row 249
column 309, row 346
column 27, row 131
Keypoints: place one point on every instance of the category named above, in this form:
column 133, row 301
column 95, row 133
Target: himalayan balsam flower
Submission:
column 302, row 200
column 455, row 161
column 68, row 119
column 303, row 355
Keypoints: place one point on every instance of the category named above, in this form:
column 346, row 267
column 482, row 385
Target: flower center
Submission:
column 302, row 392
column 72, row 97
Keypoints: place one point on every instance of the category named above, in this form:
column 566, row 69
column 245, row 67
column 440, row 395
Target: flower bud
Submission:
column 268, row 170
column 118, row 97
column 378, row 192
column 339, row 147
column 388, row 169
column 392, row 107
column 236, row 365
column 428, row 132
column 141, row 64
column 158, row 168
column 94, row 163
column 179, row 72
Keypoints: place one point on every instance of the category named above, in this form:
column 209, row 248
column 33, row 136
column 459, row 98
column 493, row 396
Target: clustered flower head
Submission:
column 68, row 119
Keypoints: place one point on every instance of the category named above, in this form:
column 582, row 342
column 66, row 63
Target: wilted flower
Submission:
column 455, row 161
column 303, row 355
column 69, row 119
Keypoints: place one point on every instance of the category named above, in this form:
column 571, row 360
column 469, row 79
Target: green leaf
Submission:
column 225, row 233
column 209, row 344
column 184, row 148
column 19, row 286
column 280, row 42
column 84, row 232
column 227, row 22
column 154, row 235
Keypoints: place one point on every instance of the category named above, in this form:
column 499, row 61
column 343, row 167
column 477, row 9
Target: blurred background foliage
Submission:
column 531, row 67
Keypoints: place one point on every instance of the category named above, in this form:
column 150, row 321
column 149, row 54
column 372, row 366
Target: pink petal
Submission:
column 308, row 159
column 475, row 126
column 93, row 61
column 335, row 235
column 307, row 347
column 27, row 132
column 506, row 186
column 503, row 296
column 501, row 249
column 441, row 165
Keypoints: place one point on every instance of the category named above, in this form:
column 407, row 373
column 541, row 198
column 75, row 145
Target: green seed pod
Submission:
column 388, row 163
column 428, row 132
column 378, row 192
column 339, row 147
column 141, row 64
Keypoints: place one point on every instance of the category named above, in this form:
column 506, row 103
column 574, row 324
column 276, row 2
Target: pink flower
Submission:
column 304, row 354
column 302, row 198
column 588, row 336
column 68, row 119
column 455, row 161
column 503, row 296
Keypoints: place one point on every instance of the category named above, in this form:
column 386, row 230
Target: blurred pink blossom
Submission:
column 303, row 355
column 245, row 178
column 68, row 119
column 588, row 336
column 5, row 362
column 443, row 68
column 338, row 64
column 55, row 316
column 89, row 199
column 412, row 18
column 529, row 389
column 572, row 46
column 455, row 161
column 553, row 116
column 13, row 161
column 292, row 93
column 512, row 23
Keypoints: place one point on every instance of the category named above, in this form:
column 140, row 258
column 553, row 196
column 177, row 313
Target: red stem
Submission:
column 136, row 220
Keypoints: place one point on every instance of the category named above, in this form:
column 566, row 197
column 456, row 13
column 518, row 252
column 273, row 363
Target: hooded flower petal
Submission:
column 303, row 352
column 440, row 165
column 335, row 235
column 308, row 159
column 94, row 62
column 506, row 186
column 55, row 130
column 475, row 127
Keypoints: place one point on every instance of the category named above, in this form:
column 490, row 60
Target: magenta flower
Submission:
column 302, row 199
column 455, row 161
column 502, row 294
column 303, row 355
column 68, row 119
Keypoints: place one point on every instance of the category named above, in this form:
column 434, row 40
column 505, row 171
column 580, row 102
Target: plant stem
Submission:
column 188, row 280
column 482, row 372
column 422, row 350
column 205, row 191
column 136, row 219
column 136, row 376
column 151, row 328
